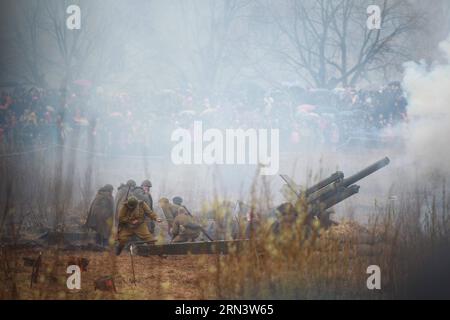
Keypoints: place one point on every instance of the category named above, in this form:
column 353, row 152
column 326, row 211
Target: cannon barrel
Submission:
column 329, row 191
column 334, row 189
column 340, row 196
column 365, row 172
column 332, row 200
column 337, row 176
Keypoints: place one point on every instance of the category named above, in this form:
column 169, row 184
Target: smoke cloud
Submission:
column 428, row 91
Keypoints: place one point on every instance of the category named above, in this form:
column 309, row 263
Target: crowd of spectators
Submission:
column 121, row 123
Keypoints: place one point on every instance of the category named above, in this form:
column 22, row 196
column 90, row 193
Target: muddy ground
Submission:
column 171, row 277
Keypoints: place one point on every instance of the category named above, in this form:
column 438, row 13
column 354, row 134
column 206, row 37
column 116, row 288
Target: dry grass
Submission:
column 405, row 237
column 173, row 277
column 401, row 237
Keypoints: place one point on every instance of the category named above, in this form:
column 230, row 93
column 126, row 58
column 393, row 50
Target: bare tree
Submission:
column 44, row 46
column 327, row 42
column 26, row 43
column 73, row 46
column 213, row 30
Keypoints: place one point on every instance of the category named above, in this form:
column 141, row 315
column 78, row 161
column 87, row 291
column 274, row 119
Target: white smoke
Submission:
column 428, row 91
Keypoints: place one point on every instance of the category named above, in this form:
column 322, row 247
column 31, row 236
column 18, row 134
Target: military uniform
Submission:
column 101, row 213
column 170, row 211
column 285, row 227
column 222, row 214
column 184, row 228
column 127, row 228
column 142, row 195
column 121, row 195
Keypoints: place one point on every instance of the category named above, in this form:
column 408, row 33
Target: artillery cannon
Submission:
column 317, row 198
column 331, row 191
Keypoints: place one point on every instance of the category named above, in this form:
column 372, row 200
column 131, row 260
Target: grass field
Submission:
column 405, row 234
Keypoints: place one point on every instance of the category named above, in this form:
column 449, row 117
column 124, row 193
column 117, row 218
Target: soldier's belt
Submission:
column 133, row 226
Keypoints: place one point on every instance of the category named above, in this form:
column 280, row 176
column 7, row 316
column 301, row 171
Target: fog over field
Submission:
column 238, row 107
column 136, row 71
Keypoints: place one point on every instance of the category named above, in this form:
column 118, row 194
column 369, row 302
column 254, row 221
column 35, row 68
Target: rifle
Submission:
column 128, row 192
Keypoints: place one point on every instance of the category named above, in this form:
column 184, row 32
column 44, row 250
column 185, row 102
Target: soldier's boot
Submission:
column 119, row 248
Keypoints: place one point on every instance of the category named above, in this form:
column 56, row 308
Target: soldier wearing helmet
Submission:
column 101, row 214
column 177, row 200
column 146, row 183
column 287, row 217
column 122, row 191
column 170, row 211
column 142, row 193
column 185, row 229
column 178, row 203
column 132, row 215
column 131, row 183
